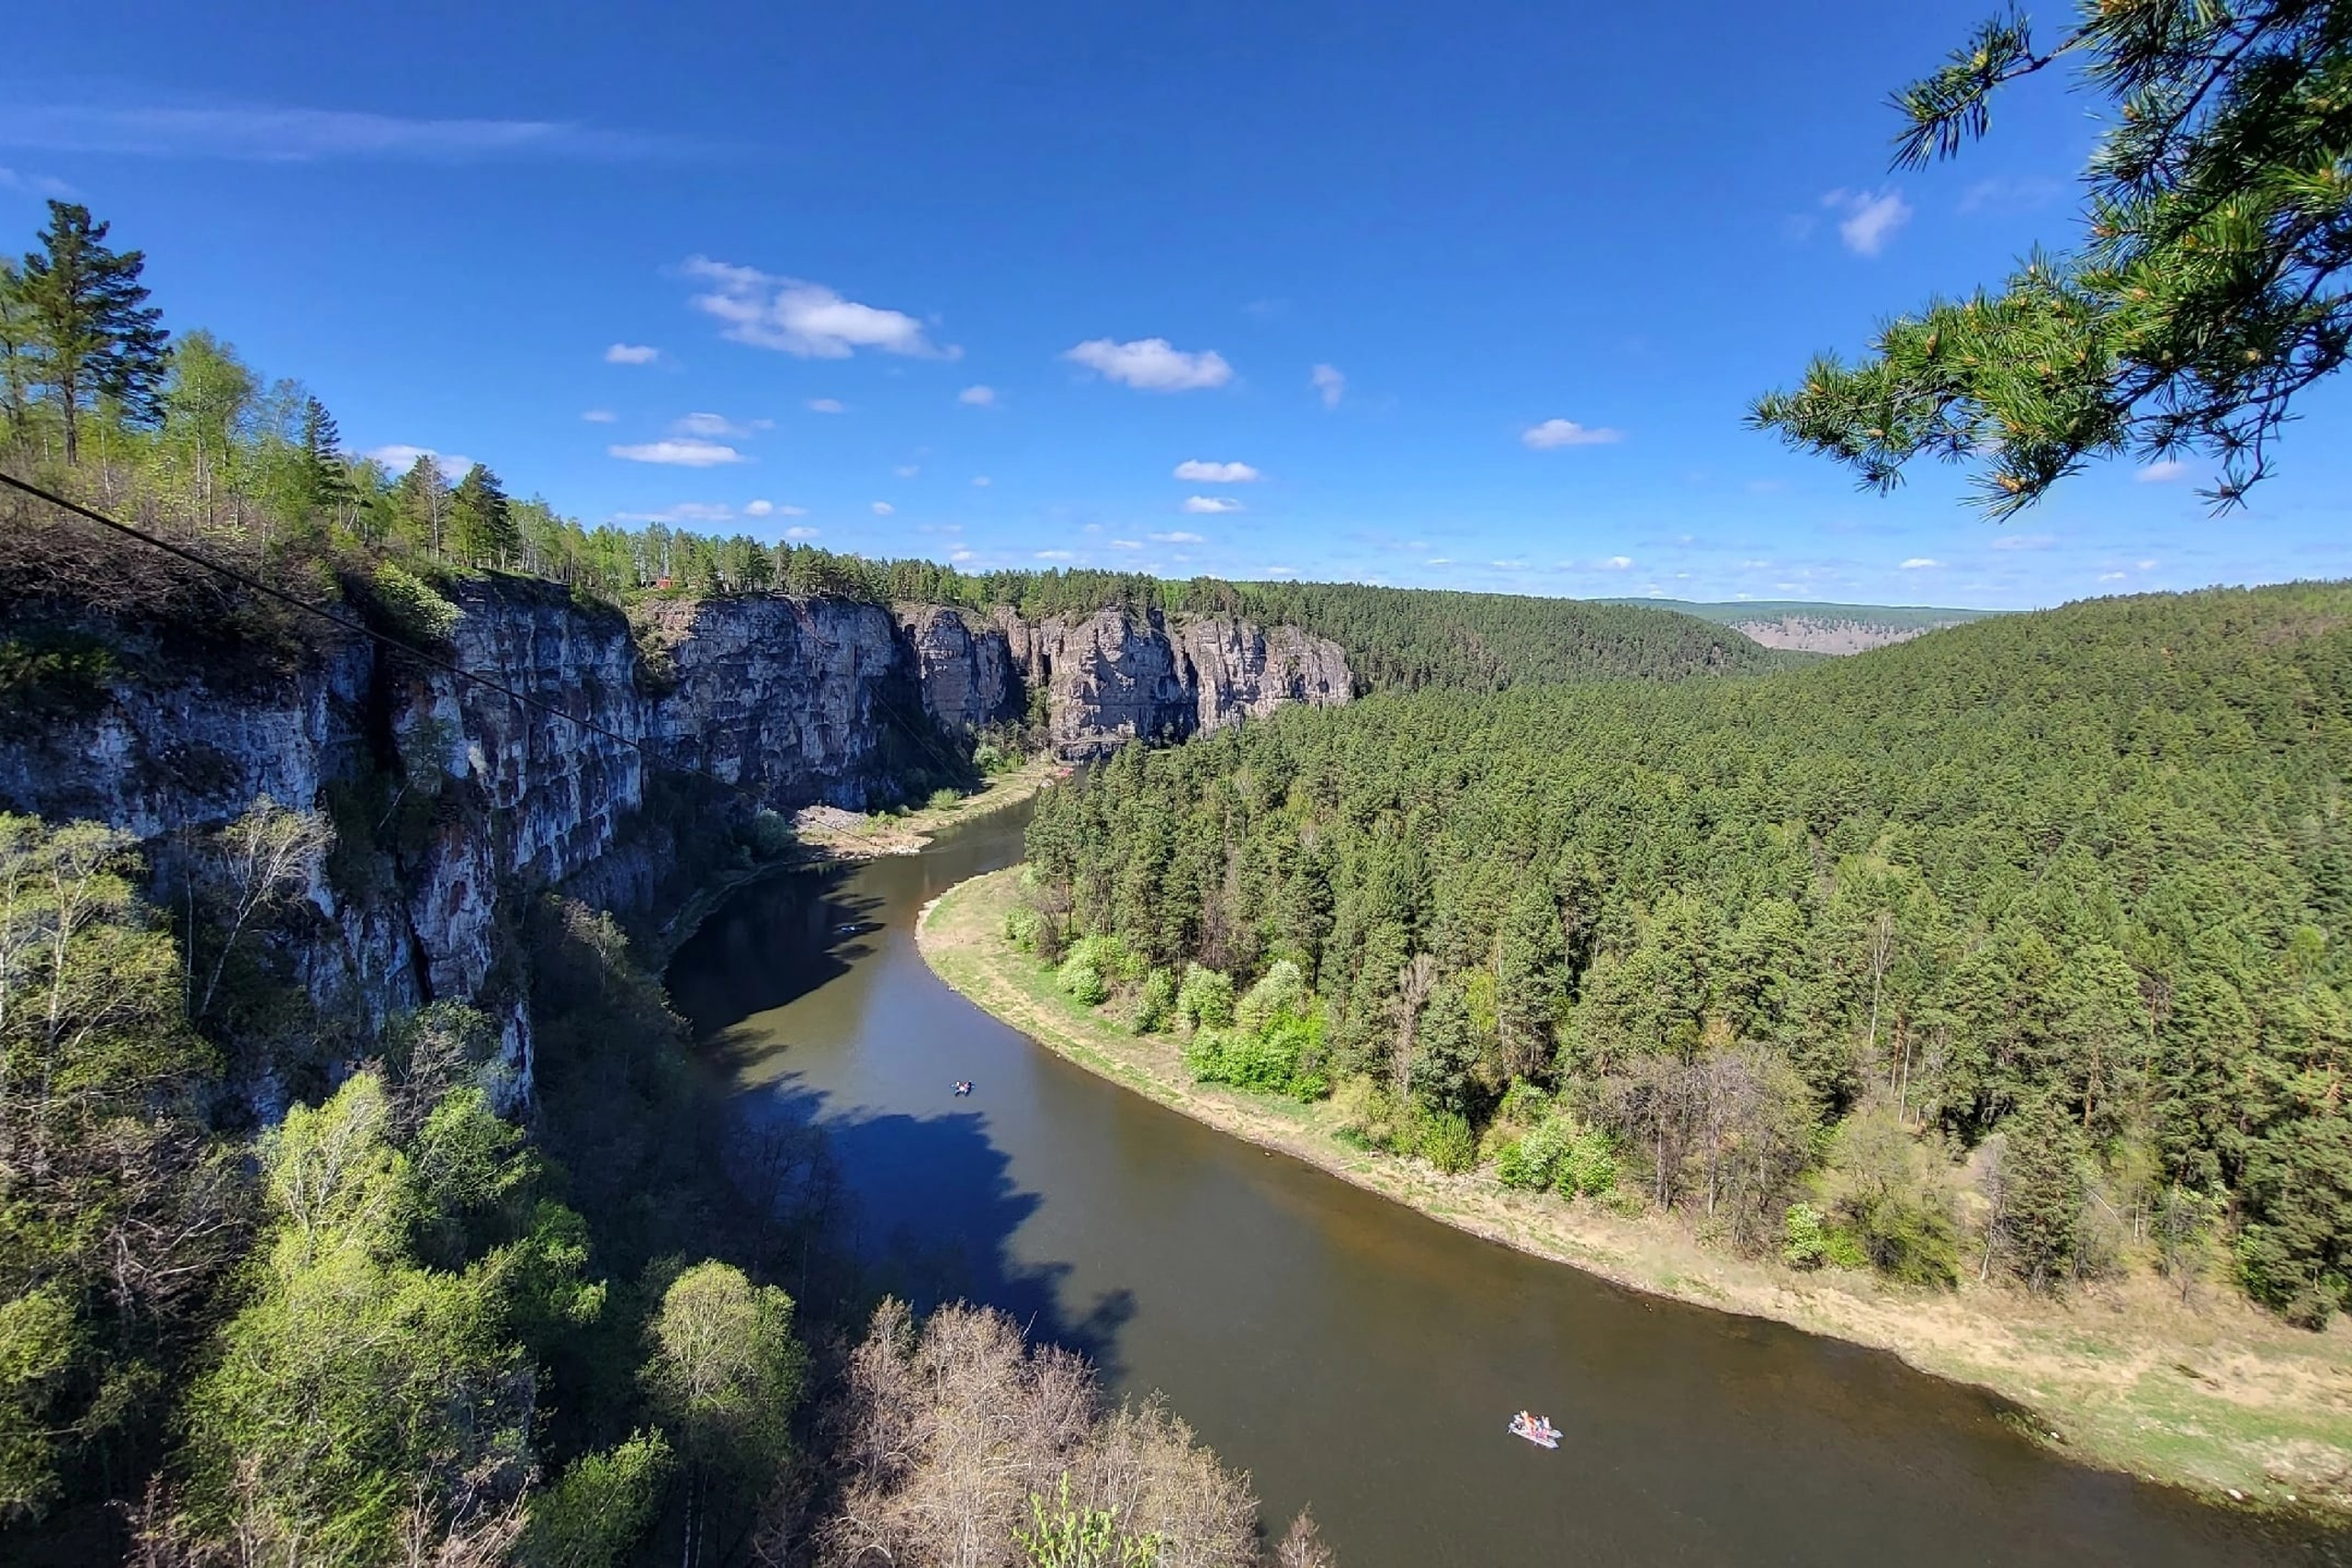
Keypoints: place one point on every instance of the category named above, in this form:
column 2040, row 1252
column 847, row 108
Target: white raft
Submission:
column 1536, row 1429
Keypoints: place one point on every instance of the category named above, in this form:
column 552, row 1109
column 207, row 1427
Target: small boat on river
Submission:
column 1536, row 1429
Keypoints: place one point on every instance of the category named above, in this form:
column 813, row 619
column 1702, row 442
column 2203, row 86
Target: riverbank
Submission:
column 2216, row 1398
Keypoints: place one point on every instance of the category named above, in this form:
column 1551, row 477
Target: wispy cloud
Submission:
column 599, row 416
column 978, row 397
column 33, row 185
column 1152, row 364
column 682, row 453
column 1556, row 433
column 2113, row 576
column 276, row 135
column 2025, row 541
column 631, row 353
column 908, row 470
column 2007, row 196
column 1056, row 554
column 399, row 458
column 1200, row 472
column 770, row 509
column 881, row 508
column 712, row 426
column 1870, row 217
column 1916, row 563
column 826, row 405
column 1210, row 505
column 802, row 533
column 1328, row 380
column 1178, row 538
column 2163, row 472
column 804, row 318
column 980, row 481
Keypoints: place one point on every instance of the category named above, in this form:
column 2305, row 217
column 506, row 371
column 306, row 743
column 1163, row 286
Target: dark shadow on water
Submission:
column 922, row 1208
column 769, row 945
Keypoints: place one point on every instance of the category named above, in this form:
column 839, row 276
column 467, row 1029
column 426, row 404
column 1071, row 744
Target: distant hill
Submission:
column 1810, row 627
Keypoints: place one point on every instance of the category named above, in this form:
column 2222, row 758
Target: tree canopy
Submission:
column 2209, row 290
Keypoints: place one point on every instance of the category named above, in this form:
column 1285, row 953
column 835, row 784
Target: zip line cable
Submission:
column 449, row 666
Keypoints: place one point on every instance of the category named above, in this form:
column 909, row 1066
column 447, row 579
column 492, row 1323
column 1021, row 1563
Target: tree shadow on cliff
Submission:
column 923, row 1208
column 768, row 945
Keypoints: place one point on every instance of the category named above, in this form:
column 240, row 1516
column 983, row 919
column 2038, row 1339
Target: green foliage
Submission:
column 2207, row 297
column 1279, row 996
column 945, row 799
column 1559, row 1153
column 1883, row 1187
column 1204, row 999
column 2080, row 856
column 1156, row 1003
column 725, row 1369
column 1082, row 980
column 90, row 336
column 1445, row 1140
column 600, row 1507
column 416, row 612
column 1805, row 1236
column 1060, row 1534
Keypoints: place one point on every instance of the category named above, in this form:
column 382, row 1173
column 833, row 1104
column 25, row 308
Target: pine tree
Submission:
column 95, row 335
column 483, row 518
column 17, row 366
column 2211, row 290
column 326, row 475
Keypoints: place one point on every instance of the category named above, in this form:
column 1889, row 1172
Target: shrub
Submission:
column 1280, row 994
column 945, row 799
column 1023, row 928
column 1205, row 1055
column 1588, row 1167
column 1205, row 999
column 1157, row 1001
column 1108, row 955
column 1447, row 1141
column 1805, row 1236
column 412, row 607
column 1080, row 981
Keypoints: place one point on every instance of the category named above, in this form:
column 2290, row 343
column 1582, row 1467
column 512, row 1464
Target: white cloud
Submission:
column 1055, row 555
column 600, row 416
column 1152, row 364
column 801, row 533
column 979, row 397
column 1179, row 538
column 1916, row 563
column 2113, row 576
column 686, row 453
column 1328, row 380
column 1200, row 472
column 268, row 134
column 1282, row 571
column 980, row 481
column 34, row 185
column 1209, row 505
column 400, row 458
column 1556, row 432
column 804, row 318
column 2010, row 196
column 770, row 509
column 711, row 426
column 2146, row 565
column 631, row 353
column 907, row 471
column 883, row 509
column 1619, row 563
column 827, row 405
column 2162, row 473
column 1871, row 217
column 1127, row 544
column 2025, row 541
column 684, row 512
column 959, row 557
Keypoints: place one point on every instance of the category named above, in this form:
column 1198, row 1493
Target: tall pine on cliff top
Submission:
column 2211, row 290
column 93, row 335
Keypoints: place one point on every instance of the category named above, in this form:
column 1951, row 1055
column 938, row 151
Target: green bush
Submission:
column 1588, row 1166
column 1205, row 1055
column 1205, row 999
column 1023, row 928
column 1904, row 1238
column 1080, row 981
column 1280, row 993
column 771, row 834
column 1805, row 1236
column 1108, row 954
column 1447, row 1141
column 945, row 799
column 1156, row 1002
column 412, row 607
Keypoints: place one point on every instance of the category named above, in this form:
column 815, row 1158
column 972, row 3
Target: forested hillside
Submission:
column 2021, row 948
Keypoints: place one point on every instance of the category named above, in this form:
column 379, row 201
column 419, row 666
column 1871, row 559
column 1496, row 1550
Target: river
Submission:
column 1347, row 1351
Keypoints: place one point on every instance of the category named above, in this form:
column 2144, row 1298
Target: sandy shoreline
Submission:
column 2216, row 1398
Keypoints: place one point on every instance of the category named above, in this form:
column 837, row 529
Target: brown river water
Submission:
column 1348, row 1352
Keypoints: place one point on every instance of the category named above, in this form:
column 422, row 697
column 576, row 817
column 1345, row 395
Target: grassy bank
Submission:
column 2213, row 1395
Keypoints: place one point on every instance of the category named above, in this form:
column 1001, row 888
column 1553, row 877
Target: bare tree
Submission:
column 257, row 862
column 1415, row 982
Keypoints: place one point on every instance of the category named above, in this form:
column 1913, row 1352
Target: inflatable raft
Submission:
column 1536, row 1429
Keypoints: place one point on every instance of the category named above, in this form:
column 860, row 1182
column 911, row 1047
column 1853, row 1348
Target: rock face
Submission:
column 791, row 700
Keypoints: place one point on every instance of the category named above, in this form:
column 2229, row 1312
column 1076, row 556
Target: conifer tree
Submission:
column 2210, row 291
column 326, row 475
column 484, row 521
column 94, row 334
column 422, row 498
column 16, row 363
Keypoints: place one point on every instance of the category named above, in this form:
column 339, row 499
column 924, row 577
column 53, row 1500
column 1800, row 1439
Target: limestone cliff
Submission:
column 785, row 702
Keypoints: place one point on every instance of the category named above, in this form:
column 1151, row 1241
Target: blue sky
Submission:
column 1473, row 296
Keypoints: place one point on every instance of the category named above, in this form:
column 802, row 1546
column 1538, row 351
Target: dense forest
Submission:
column 275, row 1293
column 2018, row 949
